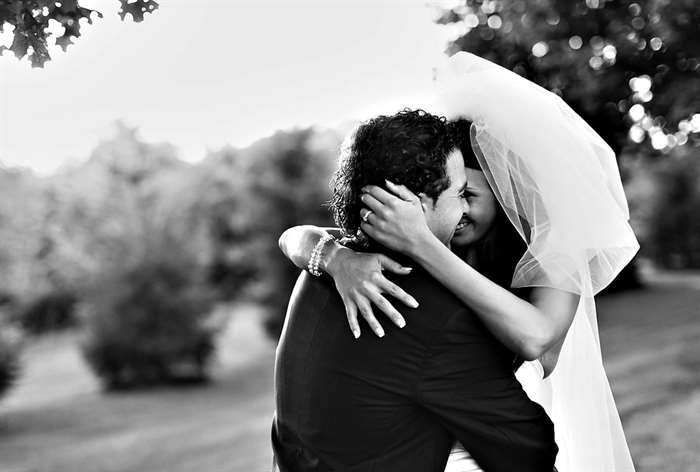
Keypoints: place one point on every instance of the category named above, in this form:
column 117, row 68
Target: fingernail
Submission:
column 380, row 333
column 356, row 334
column 414, row 304
column 402, row 323
column 388, row 182
column 408, row 269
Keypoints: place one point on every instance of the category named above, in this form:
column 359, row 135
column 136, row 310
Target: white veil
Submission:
column 559, row 184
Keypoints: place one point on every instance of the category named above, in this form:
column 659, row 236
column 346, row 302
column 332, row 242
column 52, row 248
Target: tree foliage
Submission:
column 294, row 177
column 602, row 56
column 10, row 344
column 31, row 20
column 285, row 184
column 21, row 212
column 133, row 207
column 150, row 322
column 669, row 209
column 128, row 227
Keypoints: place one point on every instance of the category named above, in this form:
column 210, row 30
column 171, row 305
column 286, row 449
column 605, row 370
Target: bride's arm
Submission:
column 532, row 330
column 528, row 329
column 297, row 242
column 357, row 276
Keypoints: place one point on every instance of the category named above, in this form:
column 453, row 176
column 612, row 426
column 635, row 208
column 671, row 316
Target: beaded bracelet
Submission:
column 316, row 255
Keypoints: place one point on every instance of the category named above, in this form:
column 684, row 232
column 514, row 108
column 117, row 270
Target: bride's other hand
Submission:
column 359, row 280
column 396, row 220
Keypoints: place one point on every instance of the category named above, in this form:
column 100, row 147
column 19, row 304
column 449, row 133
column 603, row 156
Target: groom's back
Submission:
column 395, row 402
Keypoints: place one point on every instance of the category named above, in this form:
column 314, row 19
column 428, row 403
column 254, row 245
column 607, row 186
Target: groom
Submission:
column 398, row 403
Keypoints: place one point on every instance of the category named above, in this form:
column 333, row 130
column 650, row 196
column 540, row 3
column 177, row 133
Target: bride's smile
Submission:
column 482, row 208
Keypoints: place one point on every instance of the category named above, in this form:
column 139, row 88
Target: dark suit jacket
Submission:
column 397, row 403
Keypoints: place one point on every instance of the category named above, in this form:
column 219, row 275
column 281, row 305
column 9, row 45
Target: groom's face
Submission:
column 444, row 215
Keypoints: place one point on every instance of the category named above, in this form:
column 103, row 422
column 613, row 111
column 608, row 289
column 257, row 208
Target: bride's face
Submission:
column 481, row 210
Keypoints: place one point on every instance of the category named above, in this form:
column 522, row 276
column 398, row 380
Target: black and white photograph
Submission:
column 349, row 235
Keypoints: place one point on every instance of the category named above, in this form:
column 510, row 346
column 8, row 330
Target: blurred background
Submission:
column 151, row 155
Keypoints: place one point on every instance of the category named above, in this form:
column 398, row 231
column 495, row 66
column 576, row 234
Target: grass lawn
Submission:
column 651, row 348
column 56, row 419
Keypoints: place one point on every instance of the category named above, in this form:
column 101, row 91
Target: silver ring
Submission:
column 366, row 216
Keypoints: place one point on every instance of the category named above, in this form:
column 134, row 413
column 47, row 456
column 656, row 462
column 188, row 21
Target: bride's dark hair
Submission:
column 499, row 251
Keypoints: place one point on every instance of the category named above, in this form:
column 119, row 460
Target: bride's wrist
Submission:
column 332, row 257
column 422, row 245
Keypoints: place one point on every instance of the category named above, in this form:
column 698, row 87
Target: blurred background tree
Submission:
column 286, row 184
column 631, row 69
column 21, row 209
column 664, row 199
column 10, row 343
column 138, row 246
column 603, row 57
column 28, row 295
column 675, row 235
column 31, row 20
column 126, row 236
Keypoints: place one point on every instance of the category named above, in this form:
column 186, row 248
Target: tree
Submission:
column 673, row 238
column 10, row 344
column 219, row 184
column 126, row 232
column 21, row 210
column 31, row 20
column 249, row 196
column 631, row 69
column 287, row 177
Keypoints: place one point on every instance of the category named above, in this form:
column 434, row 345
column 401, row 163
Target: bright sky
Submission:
column 201, row 74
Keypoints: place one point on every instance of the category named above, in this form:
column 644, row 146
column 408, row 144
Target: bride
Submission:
column 547, row 228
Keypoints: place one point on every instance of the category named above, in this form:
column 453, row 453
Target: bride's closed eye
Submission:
column 467, row 194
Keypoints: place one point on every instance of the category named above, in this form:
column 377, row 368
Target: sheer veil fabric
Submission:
column 559, row 184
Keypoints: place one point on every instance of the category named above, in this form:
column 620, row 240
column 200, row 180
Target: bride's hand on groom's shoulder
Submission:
column 396, row 218
column 360, row 282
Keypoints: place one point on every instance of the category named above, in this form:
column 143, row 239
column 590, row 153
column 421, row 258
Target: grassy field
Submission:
column 651, row 347
column 56, row 419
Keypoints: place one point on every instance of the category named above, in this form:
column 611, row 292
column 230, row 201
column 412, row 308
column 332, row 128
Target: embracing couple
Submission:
column 495, row 228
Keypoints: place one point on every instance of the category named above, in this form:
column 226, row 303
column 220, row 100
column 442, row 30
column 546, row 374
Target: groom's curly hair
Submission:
column 408, row 148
